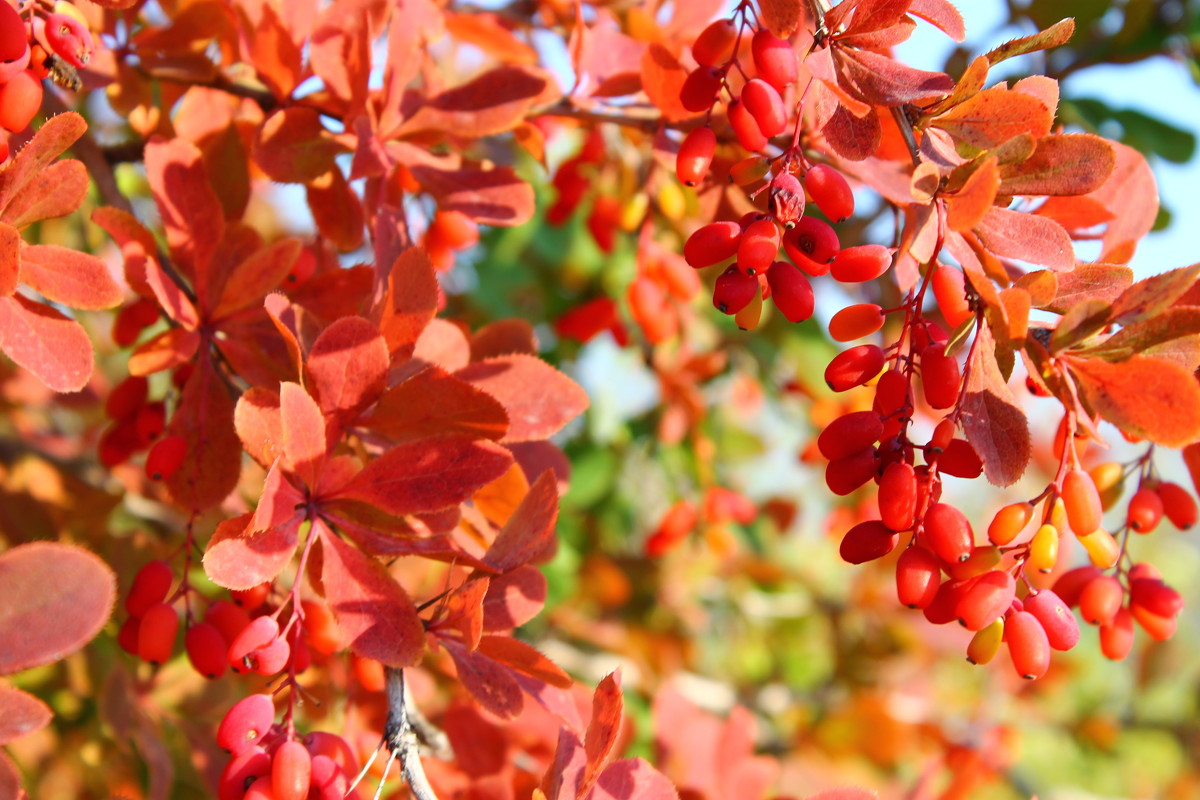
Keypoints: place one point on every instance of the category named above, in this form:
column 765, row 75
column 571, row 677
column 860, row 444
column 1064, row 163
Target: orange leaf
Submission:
column 1149, row 397
column 1028, row 237
column 662, row 78
column 410, row 301
column 55, row 192
column 528, row 536
column 238, row 557
column 53, row 347
column 1131, row 195
column 499, row 499
column 1056, row 34
column 53, row 599
column 347, row 366
column 167, row 350
column 942, row 14
column 493, row 685
column 608, row 710
column 994, row 116
column 502, row 337
column 10, row 259
column 519, row 656
column 966, row 207
column 781, row 17
column 49, row 142
column 495, row 102
column 1087, row 281
column 1067, row 164
column 514, row 598
column 336, row 209
column 303, row 430
column 487, row 33
column 293, row 146
column 75, row 279
column 256, row 275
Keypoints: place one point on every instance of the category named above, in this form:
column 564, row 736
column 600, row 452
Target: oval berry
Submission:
column 695, row 156
column 790, row 291
column 811, row 245
column 245, row 770
column 14, row 39
column 947, row 532
column 734, row 289
column 854, row 367
column 291, row 771
column 849, row 433
column 867, row 541
column 712, row 244
column 1056, row 617
column 898, row 496
column 1116, row 637
column 844, row 475
column 150, row 586
column 1179, row 505
column 1082, row 502
column 918, row 573
column 940, row 377
column 830, row 191
column 700, row 89
column 260, row 633
column 156, row 633
column 165, row 457
column 228, row 619
column 862, row 263
column 774, row 59
column 1100, row 600
column 745, row 126
column 949, row 290
column 758, row 246
column 1008, row 522
column 856, row 321
column 988, row 597
column 20, row 99
column 246, row 723
column 206, row 648
column 1145, row 510
column 763, row 102
column 714, row 46
column 1027, row 645
column 985, row 644
column 1155, row 596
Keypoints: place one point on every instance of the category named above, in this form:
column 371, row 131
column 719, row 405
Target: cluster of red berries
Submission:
column 33, row 44
column 137, row 424
column 269, row 764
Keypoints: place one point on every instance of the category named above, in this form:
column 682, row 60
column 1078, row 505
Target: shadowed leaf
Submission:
column 494, row 102
column 995, row 425
column 538, row 398
column 347, row 366
column 435, row 403
column 20, row 714
column 490, row 197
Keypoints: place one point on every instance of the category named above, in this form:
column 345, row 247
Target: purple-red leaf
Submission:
column 493, row 685
column 995, row 425
column 410, row 302
column 539, row 399
column 513, row 598
column 428, row 474
column 240, row 558
column 372, row 610
column 204, row 418
column 52, row 346
column 1028, row 237
column 257, row 275
column 518, row 656
column 633, row 779
column 492, row 103
column 293, row 146
column 53, row 599
column 490, row 197
column 347, row 366
column 883, row 81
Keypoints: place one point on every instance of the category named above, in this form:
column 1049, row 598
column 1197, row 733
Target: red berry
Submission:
column 948, row 533
column 19, row 101
column 69, row 38
column 774, row 59
column 943, row 608
column 854, row 367
column 844, row 475
column 251, row 598
column 1027, row 644
column 1145, row 510
column 1157, row 627
column 763, row 102
column 228, row 619
column 291, row 771
column 1155, row 596
column 1082, row 501
column 117, row 443
column 787, row 199
column 695, row 156
column 745, row 126
column 714, row 46
column 1072, row 582
column 1100, row 600
column 131, row 320
column 206, row 649
column 986, row 600
column 1056, row 617
column 156, row 633
column 151, row 419
column 867, row 541
column 126, row 398
column 450, row 229
column 960, row 460
column 849, row 433
column 260, row 633
column 261, row 789
column 127, row 636
column 862, row 263
column 855, row 322
column 1178, row 505
column 150, row 586
column 245, row 724
column 758, row 246
column 811, row 245
column 1116, row 637
column 830, row 191
column 898, row 496
column 712, row 244
column 245, row 770
column 790, row 291
column 165, row 457
column 700, row 89
column 949, row 289
column 734, row 290
column 917, row 574
column 14, row 39
column 940, row 377
column 586, row 321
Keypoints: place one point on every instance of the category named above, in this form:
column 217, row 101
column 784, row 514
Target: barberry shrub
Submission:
column 332, row 438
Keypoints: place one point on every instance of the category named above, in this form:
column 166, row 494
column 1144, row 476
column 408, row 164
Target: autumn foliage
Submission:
column 305, row 306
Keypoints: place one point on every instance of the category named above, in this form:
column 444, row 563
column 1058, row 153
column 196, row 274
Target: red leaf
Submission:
column 10, row 259
column 276, row 58
column 239, row 558
column 1149, row 397
column 347, row 366
column 191, row 213
column 170, row 296
column 204, row 418
column 10, row 779
column 523, row 658
column 54, row 348
column 494, row 102
column 48, row 143
column 514, row 598
column 528, row 536
column 1148, row 297
column 169, row 349
column 853, row 138
column 1067, row 164
column 503, row 337
column 380, row 534
column 539, row 399
column 256, row 276
column 633, row 779
column 608, row 711
column 55, row 192
column 1089, row 281
column 257, row 422
column 429, row 474
column 280, row 503
column 20, row 714
column 434, row 403
column 1131, row 195
column 410, row 302
column 442, row 344
column 463, row 612
column 137, row 244
column 53, row 599
column 565, row 776
column 995, row 425
column 490, row 197
column 372, row 610
column 662, row 78
column 883, row 81
column 1028, row 237
column 293, row 146
column 491, row 684
column 303, row 429
column 942, row 14
column 339, row 52
column 286, row 318
column 337, row 210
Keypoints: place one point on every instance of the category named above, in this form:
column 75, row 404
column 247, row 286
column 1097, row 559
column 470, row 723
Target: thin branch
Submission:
column 906, row 131
column 263, row 97
column 402, row 738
